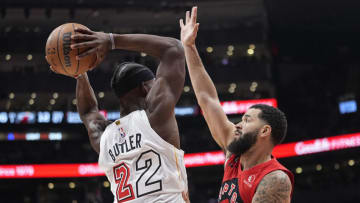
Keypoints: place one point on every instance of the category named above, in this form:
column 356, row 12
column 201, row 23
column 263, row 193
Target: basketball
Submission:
column 61, row 57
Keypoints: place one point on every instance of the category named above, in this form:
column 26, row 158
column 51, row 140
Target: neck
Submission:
column 128, row 107
column 256, row 155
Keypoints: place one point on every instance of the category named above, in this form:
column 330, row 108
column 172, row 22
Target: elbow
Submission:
column 83, row 112
column 175, row 50
column 203, row 99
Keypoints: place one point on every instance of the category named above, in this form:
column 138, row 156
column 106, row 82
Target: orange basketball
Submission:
column 61, row 57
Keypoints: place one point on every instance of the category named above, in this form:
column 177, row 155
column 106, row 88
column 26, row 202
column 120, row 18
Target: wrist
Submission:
column 80, row 76
column 112, row 41
column 192, row 46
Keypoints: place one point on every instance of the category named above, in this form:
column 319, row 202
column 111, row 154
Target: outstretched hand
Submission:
column 190, row 28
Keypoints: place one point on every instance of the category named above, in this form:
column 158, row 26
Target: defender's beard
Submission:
column 242, row 144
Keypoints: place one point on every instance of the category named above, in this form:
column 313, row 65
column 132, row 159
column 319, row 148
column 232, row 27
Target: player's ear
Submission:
column 265, row 131
column 146, row 85
column 145, row 88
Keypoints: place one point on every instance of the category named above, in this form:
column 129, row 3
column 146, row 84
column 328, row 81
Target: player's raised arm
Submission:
column 221, row 128
column 87, row 107
column 170, row 74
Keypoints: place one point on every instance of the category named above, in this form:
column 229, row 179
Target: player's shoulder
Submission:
column 274, row 187
column 277, row 176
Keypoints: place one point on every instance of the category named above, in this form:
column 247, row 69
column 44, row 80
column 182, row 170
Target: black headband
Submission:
column 132, row 80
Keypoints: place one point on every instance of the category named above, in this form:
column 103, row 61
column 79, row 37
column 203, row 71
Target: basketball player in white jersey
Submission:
column 140, row 152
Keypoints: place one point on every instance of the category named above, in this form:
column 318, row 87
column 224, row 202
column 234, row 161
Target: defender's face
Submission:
column 249, row 123
column 246, row 133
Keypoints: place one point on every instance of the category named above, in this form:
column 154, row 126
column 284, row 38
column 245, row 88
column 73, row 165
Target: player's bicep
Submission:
column 169, row 84
column 275, row 187
column 220, row 127
column 171, row 73
column 95, row 124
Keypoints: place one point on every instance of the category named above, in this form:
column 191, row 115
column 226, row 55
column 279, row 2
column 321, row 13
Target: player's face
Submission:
column 246, row 133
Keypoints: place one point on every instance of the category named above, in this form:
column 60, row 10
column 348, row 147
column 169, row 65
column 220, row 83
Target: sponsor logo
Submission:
column 66, row 48
column 251, row 178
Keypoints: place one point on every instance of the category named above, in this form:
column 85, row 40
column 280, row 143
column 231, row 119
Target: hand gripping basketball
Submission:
column 63, row 59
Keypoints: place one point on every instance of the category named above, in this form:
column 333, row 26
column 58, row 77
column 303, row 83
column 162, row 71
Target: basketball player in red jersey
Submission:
column 252, row 174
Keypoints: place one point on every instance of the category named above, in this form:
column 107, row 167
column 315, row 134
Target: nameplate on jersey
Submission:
column 125, row 145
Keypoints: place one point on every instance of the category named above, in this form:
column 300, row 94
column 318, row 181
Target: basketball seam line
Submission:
column 57, row 47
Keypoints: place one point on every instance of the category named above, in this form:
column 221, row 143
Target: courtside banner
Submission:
column 50, row 170
column 241, row 106
column 191, row 160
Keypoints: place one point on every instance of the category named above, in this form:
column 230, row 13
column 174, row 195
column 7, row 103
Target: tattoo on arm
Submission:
column 275, row 187
column 95, row 130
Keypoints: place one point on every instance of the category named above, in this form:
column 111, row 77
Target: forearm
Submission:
column 203, row 85
column 153, row 45
column 85, row 96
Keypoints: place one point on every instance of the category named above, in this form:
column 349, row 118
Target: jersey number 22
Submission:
column 149, row 162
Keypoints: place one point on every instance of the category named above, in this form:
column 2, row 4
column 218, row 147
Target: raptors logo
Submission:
column 251, row 178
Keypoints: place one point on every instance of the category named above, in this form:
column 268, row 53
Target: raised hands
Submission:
column 190, row 28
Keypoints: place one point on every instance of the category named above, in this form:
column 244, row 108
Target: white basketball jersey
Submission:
column 140, row 165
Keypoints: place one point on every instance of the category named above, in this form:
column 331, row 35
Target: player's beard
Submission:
column 243, row 143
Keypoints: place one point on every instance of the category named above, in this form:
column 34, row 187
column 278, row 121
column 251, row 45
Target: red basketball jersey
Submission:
column 240, row 186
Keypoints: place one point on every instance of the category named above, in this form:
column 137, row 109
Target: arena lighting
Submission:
column 191, row 160
column 250, row 52
column 101, row 94
column 51, row 186
column 186, row 88
column 33, row 95
column 11, row 95
column 106, row 183
column 55, row 95
column 231, row 90
column 318, row 167
column 7, row 57
column 31, row 101
column 72, row 185
column 252, row 88
column 29, row 57
column 31, row 136
column 52, row 101
column 351, row 162
column 347, row 106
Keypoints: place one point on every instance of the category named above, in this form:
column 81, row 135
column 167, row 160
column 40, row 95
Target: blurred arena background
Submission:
column 304, row 54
